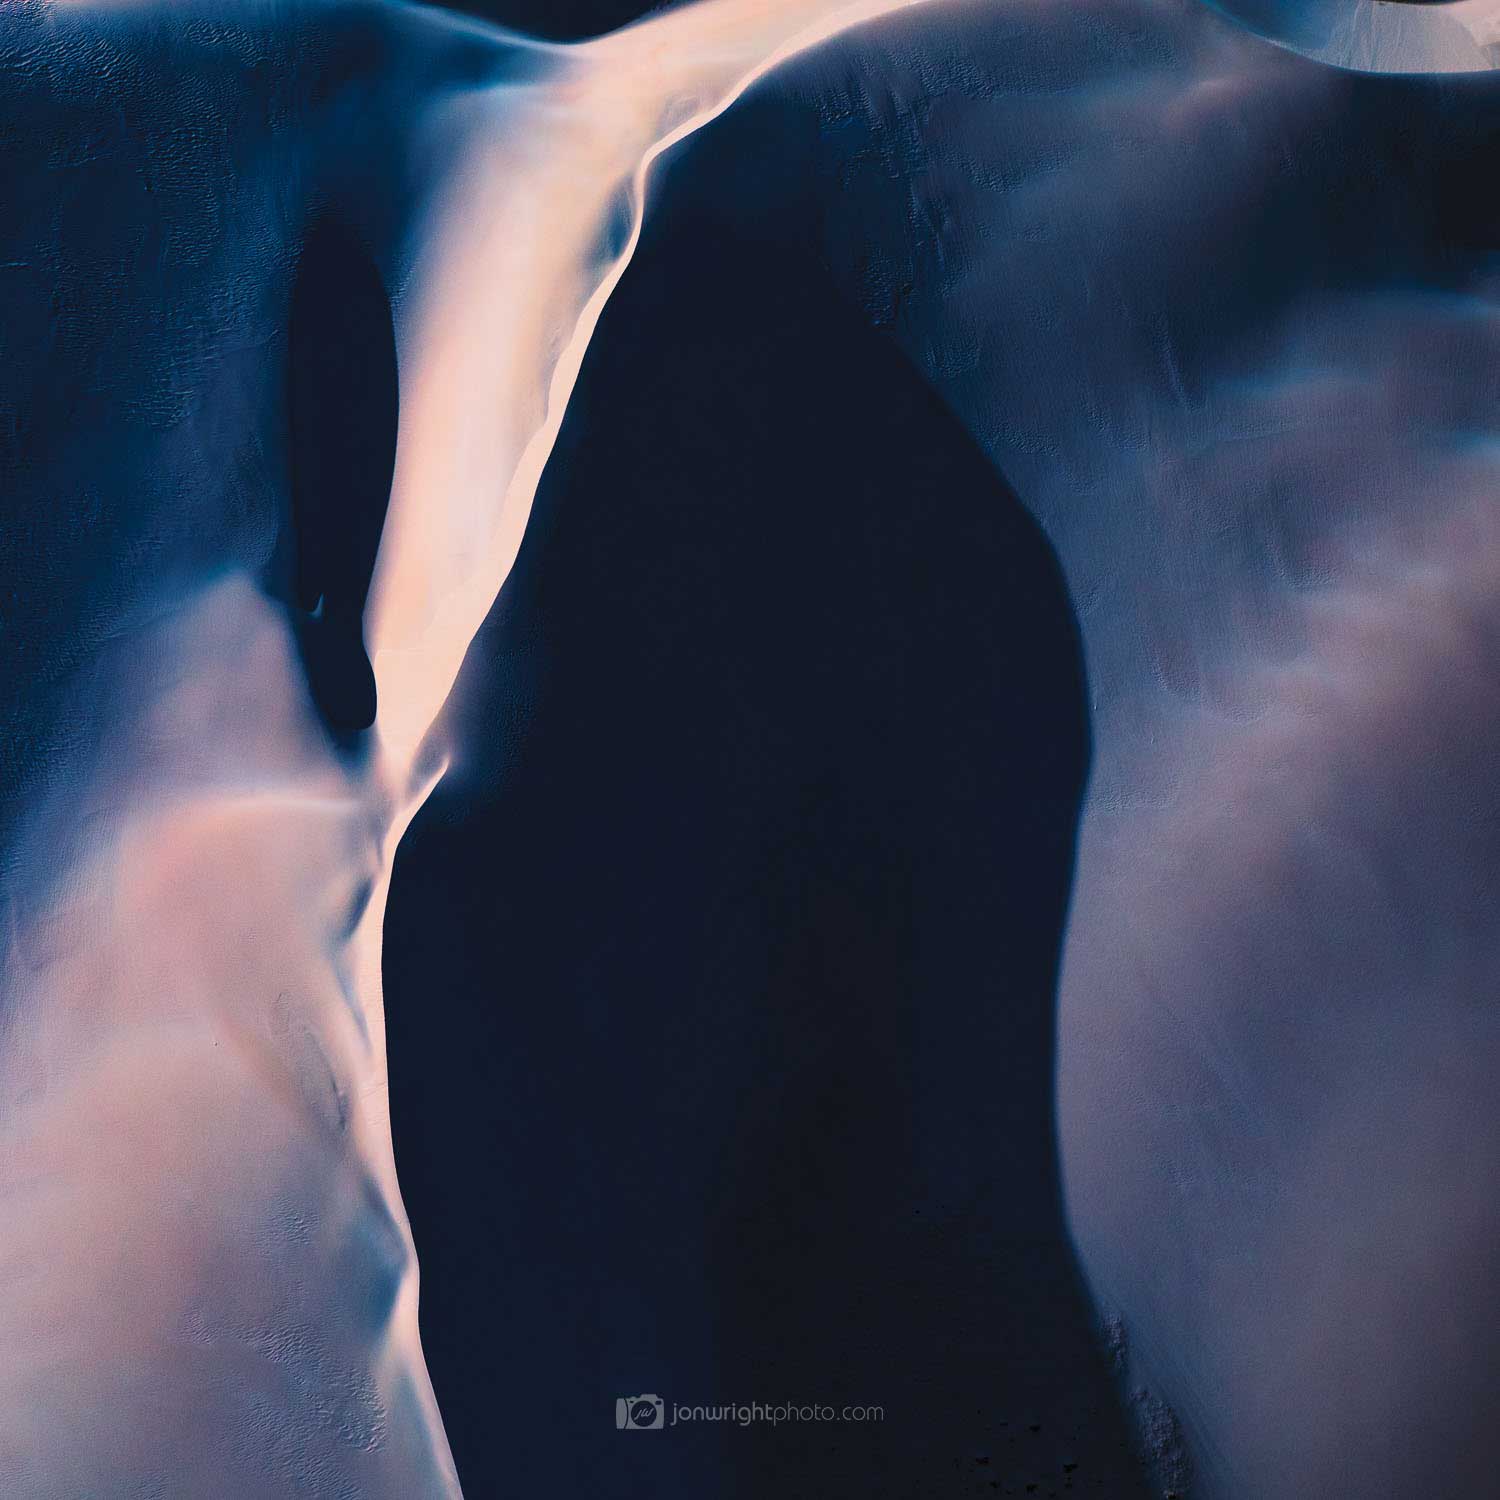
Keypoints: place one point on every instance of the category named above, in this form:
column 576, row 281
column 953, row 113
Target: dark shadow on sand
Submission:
column 721, row 975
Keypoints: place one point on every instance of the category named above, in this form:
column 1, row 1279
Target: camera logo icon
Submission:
column 638, row 1413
